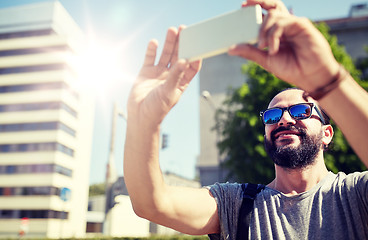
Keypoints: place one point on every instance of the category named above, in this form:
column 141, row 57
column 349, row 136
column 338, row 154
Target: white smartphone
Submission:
column 214, row 36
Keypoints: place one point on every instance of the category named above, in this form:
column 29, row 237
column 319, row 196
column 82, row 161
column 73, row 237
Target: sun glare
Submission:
column 99, row 67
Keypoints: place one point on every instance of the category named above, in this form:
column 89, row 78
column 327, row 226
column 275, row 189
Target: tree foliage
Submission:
column 242, row 131
column 97, row 189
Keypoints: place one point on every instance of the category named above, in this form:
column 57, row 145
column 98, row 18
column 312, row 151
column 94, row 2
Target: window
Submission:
column 10, row 169
column 35, row 68
column 6, row 213
column 18, row 214
column 27, row 34
column 68, row 109
column 41, row 190
column 65, row 149
column 37, row 106
column 30, row 191
column 38, row 87
column 7, row 191
column 62, row 170
column 66, row 129
column 35, row 147
column 26, row 51
column 35, row 168
column 32, row 87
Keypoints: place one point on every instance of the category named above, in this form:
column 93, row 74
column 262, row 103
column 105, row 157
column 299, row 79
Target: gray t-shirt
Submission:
column 336, row 208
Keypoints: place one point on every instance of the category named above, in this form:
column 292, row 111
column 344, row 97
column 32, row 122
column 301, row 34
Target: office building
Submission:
column 46, row 121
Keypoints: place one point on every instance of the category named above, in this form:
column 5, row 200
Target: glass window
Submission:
column 41, row 190
column 6, row 213
column 65, row 149
column 27, row 191
column 22, row 213
column 33, row 87
column 38, row 87
column 69, row 109
column 35, row 68
column 36, row 127
column 27, row 34
column 23, row 169
column 26, row 51
column 18, row 191
column 5, row 148
column 10, row 169
column 37, row 106
column 7, row 191
column 35, row 168
column 66, row 129
column 63, row 170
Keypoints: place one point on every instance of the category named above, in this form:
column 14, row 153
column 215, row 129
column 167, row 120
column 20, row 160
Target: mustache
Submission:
column 287, row 128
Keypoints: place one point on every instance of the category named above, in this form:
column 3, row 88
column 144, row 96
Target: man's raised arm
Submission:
column 295, row 51
column 156, row 90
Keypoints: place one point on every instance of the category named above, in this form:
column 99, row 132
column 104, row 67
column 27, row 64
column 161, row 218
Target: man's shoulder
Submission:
column 350, row 180
column 224, row 187
column 356, row 176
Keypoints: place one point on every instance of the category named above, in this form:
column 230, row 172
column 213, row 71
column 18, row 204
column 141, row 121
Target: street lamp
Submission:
column 207, row 96
column 111, row 173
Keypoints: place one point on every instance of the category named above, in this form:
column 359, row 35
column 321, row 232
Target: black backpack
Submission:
column 250, row 192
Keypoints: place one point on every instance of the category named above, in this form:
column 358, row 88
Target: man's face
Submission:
column 291, row 143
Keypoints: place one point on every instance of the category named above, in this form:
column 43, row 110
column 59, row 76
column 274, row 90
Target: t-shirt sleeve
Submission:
column 229, row 198
column 361, row 181
column 355, row 185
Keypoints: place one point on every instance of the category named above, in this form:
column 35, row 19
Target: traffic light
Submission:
column 164, row 143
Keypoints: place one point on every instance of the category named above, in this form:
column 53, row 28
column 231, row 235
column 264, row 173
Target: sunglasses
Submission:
column 298, row 111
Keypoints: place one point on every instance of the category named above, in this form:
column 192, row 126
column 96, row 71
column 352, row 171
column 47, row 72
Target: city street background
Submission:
column 120, row 30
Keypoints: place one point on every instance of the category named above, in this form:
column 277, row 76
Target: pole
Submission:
column 207, row 96
column 111, row 173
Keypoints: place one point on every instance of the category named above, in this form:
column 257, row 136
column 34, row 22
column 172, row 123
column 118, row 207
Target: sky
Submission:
column 119, row 30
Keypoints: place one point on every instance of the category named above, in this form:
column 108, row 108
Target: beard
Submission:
column 294, row 157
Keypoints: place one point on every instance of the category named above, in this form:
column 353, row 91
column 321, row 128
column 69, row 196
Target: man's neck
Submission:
column 295, row 181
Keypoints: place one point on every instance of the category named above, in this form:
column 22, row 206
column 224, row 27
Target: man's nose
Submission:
column 286, row 119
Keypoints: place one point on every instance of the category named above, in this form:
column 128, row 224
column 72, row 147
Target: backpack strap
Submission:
column 250, row 192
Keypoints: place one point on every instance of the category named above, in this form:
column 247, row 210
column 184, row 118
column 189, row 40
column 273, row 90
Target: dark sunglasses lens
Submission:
column 272, row 116
column 301, row 111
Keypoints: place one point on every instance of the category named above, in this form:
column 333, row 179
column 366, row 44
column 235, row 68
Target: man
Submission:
column 304, row 200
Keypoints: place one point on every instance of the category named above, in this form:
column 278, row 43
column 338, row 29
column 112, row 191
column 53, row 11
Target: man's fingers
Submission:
column 174, row 57
column 190, row 72
column 274, row 37
column 250, row 52
column 169, row 47
column 176, row 73
column 275, row 9
column 267, row 5
column 150, row 57
column 267, row 23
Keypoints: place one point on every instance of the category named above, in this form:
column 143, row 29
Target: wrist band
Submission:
column 323, row 91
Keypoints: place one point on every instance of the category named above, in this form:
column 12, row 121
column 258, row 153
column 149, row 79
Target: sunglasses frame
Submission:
column 311, row 105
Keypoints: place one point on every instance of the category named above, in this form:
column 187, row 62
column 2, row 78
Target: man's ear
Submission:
column 328, row 132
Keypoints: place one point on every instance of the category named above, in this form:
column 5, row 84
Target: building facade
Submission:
column 217, row 75
column 120, row 219
column 46, row 122
column 222, row 72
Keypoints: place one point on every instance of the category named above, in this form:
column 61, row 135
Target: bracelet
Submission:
column 335, row 82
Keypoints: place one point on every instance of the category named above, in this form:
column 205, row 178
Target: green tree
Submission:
column 242, row 131
column 97, row 189
column 362, row 65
